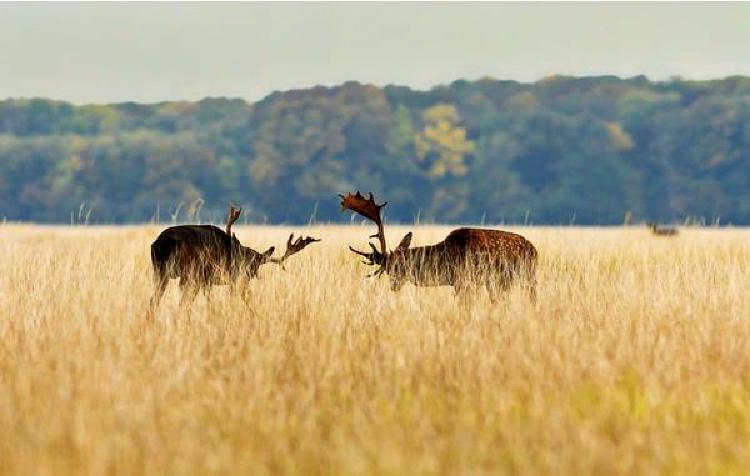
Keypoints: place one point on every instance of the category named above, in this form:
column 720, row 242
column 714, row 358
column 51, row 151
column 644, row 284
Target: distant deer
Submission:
column 204, row 255
column 467, row 256
column 662, row 230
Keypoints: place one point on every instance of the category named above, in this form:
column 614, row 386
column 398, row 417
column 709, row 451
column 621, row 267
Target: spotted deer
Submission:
column 204, row 255
column 466, row 258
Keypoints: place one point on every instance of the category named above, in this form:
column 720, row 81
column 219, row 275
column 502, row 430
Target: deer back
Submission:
column 464, row 250
column 494, row 244
column 189, row 247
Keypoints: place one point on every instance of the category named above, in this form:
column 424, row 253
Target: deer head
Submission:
column 252, row 260
column 371, row 210
column 248, row 259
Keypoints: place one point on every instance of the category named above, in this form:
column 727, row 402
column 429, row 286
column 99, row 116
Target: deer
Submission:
column 466, row 258
column 662, row 230
column 204, row 255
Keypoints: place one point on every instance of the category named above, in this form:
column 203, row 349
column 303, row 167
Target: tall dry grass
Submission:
column 634, row 359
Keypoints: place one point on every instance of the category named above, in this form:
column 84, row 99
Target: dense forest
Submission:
column 563, row 150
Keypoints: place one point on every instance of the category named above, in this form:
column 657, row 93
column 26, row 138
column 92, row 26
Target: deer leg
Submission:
column 492, row 291
column 465, row 292
column 243, row 290
column 529, row 285
column 499, row 279
column 160, row 282
column 497, row 287
column 245, row 295
column 207, row 293
column 189, row 290
column 527, row 275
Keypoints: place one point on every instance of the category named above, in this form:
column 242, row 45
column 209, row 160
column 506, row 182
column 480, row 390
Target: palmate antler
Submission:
column 370, row 210
column 293, row 246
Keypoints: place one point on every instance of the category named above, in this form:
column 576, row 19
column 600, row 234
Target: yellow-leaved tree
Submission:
column 443, row 142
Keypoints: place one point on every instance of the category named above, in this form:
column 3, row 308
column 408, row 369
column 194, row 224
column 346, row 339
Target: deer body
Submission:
column 204, row 255
column 662, row 230
column 467, row 257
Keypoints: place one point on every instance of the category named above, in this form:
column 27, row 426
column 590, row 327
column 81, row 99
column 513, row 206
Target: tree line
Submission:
column 589, row 150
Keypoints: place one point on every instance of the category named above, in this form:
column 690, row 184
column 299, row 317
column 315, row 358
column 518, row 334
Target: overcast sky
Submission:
column 151, row 52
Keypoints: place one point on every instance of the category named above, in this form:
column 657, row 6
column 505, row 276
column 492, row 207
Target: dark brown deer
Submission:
column 466, row 258
column 204, row 255
column 662, row 230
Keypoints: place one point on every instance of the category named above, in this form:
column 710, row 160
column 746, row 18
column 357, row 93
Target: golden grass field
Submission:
column 634, row 359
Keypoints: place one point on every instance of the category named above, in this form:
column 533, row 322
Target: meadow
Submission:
column 633, row 359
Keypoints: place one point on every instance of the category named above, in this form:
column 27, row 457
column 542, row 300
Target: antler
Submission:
column 234, row 214
column 370, row 210
column 293, row 246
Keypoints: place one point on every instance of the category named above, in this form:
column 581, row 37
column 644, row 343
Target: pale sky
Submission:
column 88, row 53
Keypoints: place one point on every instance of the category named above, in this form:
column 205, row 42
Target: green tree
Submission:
column 442, row 143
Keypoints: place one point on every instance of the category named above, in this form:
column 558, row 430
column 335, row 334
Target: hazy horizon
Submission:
column 116, row 52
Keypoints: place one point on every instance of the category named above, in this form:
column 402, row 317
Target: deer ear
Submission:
column 405, row 242
column 269, row 252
